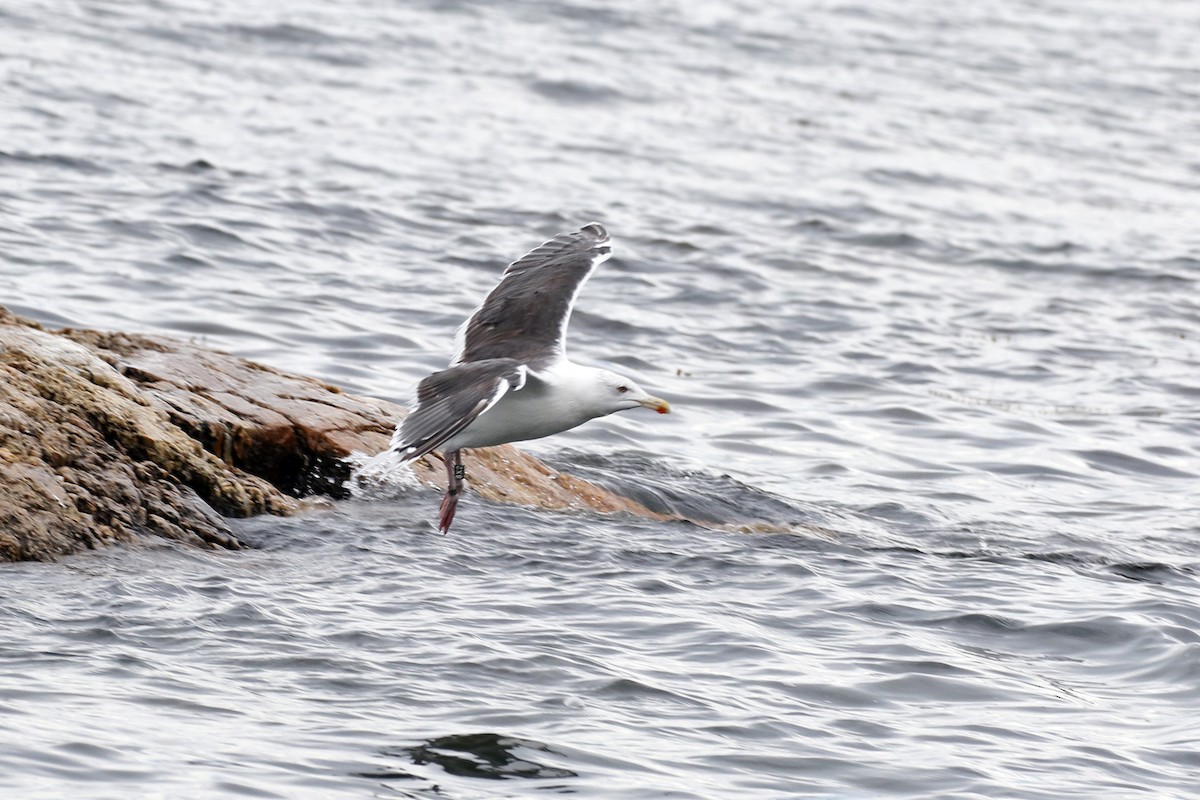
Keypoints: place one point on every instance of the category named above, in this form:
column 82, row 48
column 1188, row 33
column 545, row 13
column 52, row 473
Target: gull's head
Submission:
column 618, row 393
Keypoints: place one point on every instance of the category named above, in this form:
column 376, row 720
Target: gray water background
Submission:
column 920, row 275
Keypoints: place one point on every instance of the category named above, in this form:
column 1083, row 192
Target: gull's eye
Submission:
column 622, row 389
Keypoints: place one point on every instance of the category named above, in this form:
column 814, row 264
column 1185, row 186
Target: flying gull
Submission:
column 511, row 379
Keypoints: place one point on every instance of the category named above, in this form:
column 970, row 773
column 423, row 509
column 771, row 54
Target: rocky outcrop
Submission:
column 86, row 459
column 105, row 437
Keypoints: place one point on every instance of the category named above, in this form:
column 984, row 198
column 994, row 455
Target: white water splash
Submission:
column 380, row 476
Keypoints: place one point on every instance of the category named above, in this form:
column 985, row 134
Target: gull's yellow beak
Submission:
column 658, row 404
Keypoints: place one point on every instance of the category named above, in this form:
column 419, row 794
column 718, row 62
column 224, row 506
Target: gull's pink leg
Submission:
column 454, row 485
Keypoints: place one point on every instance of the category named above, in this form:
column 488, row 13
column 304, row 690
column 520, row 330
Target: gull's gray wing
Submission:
column 450, row 400
column 525, row 316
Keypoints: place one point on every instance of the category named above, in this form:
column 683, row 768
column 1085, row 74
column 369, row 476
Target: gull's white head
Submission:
column 615, row 392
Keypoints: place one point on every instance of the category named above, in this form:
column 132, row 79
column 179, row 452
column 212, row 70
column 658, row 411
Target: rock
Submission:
column 86, row 460
column 108, row 436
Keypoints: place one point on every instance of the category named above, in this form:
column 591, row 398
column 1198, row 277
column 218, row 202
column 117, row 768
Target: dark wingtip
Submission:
column 595, row 229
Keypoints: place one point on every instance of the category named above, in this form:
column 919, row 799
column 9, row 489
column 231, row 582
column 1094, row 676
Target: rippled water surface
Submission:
column 920, row 280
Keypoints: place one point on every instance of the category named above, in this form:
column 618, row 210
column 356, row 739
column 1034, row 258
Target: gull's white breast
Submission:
column 543, row 407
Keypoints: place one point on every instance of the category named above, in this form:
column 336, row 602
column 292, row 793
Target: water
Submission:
column 921, row 279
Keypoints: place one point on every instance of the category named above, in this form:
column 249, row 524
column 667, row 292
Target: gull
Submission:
column 511, row 380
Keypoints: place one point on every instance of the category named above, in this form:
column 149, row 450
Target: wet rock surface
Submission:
column 105, row 437
column 87, row 460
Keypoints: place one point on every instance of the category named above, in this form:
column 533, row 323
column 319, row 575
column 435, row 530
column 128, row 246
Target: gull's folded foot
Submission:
column 446, row 512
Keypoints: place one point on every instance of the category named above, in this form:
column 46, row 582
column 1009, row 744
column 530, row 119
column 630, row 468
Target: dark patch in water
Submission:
column 576, row 92
column 696, row 495
column 1149, row 572
column 71, row 163
column 283, row 32
column 482, row 755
